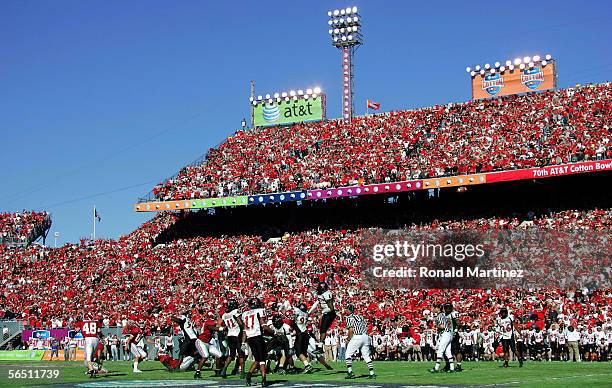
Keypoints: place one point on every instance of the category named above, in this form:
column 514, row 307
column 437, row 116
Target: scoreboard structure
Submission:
column 522, row 75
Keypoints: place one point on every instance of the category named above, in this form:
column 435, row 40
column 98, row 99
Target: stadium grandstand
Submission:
column 23, row 228
column 505, row 133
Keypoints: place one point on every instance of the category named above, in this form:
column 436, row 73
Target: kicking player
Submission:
column 358, row 341
column 135, row 344
column 506, row 327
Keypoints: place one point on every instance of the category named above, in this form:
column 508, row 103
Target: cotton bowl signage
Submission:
column 532, row 78
column 514, row 81
column 492, row 83
column 290, row 111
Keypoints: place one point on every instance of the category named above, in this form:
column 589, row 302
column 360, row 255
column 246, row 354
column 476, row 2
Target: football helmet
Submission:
column 277, row 321
column 254, row 303
column 322, row 287
column 503, row 312
column 232, row 305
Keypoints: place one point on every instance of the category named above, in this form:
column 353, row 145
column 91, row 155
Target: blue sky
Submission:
column 99, row 100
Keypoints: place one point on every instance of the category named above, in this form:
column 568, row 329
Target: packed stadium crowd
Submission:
column 20, row 226
column 132, row 279
column 512, row 132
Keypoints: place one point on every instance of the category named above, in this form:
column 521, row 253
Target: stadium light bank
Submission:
column 346, row 35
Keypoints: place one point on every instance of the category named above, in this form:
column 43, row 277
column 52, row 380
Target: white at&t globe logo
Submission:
column 271, row 113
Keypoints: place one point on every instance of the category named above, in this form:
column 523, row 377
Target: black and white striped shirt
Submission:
column 359, row 325
column 445, row 322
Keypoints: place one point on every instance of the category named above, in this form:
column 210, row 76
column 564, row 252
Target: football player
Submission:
column 205, row 348
column 233, row 322
column 325, row 300
column 508, row 330
column 135, row 344
column 254, row 326
column 187, row 347
column 300, row 325
column 91, row 330
column 281, row 343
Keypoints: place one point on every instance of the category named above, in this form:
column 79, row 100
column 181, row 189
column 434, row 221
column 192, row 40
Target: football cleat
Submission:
column 307, row 369
column 349, row 375
column 198, row 375
column 372, row 376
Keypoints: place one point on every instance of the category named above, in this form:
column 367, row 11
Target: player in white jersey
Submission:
column 552, row 336
column 488, row 336
column 591, row 343
column 563, row 351
column 506, row 327
column 300, row 325
column 359, row 341
column 467, row 342
column 430, row 346
column 445, row 329
column 537, row 337
column 325, row 300
column 254, row 326
column 232, row 320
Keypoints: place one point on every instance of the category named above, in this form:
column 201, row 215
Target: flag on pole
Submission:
column 373, row 105
column 97, row 215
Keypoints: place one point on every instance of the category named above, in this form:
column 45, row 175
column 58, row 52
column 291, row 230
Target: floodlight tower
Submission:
column 345, row 32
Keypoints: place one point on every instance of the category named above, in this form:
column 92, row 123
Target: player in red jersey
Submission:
column 90, row 328
column 135, row 344
column 204, row 346
column 172, row 363
column 97, row 359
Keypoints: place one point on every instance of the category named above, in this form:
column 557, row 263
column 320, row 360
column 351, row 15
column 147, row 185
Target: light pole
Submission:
column 55, row 237
column 345, row 31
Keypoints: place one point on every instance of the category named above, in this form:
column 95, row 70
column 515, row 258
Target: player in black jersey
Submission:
column 188, row 347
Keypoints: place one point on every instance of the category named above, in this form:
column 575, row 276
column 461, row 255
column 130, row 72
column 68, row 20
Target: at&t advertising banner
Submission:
column 288, row 112
column 514, row 81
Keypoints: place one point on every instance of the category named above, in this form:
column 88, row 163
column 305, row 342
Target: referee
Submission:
column 445, row 328
column 358, row 340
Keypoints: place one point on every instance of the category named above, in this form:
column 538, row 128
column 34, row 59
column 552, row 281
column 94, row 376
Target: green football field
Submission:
column 534, row 374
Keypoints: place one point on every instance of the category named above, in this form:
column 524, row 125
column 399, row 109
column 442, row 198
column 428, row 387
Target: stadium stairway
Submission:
column 14, row 334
